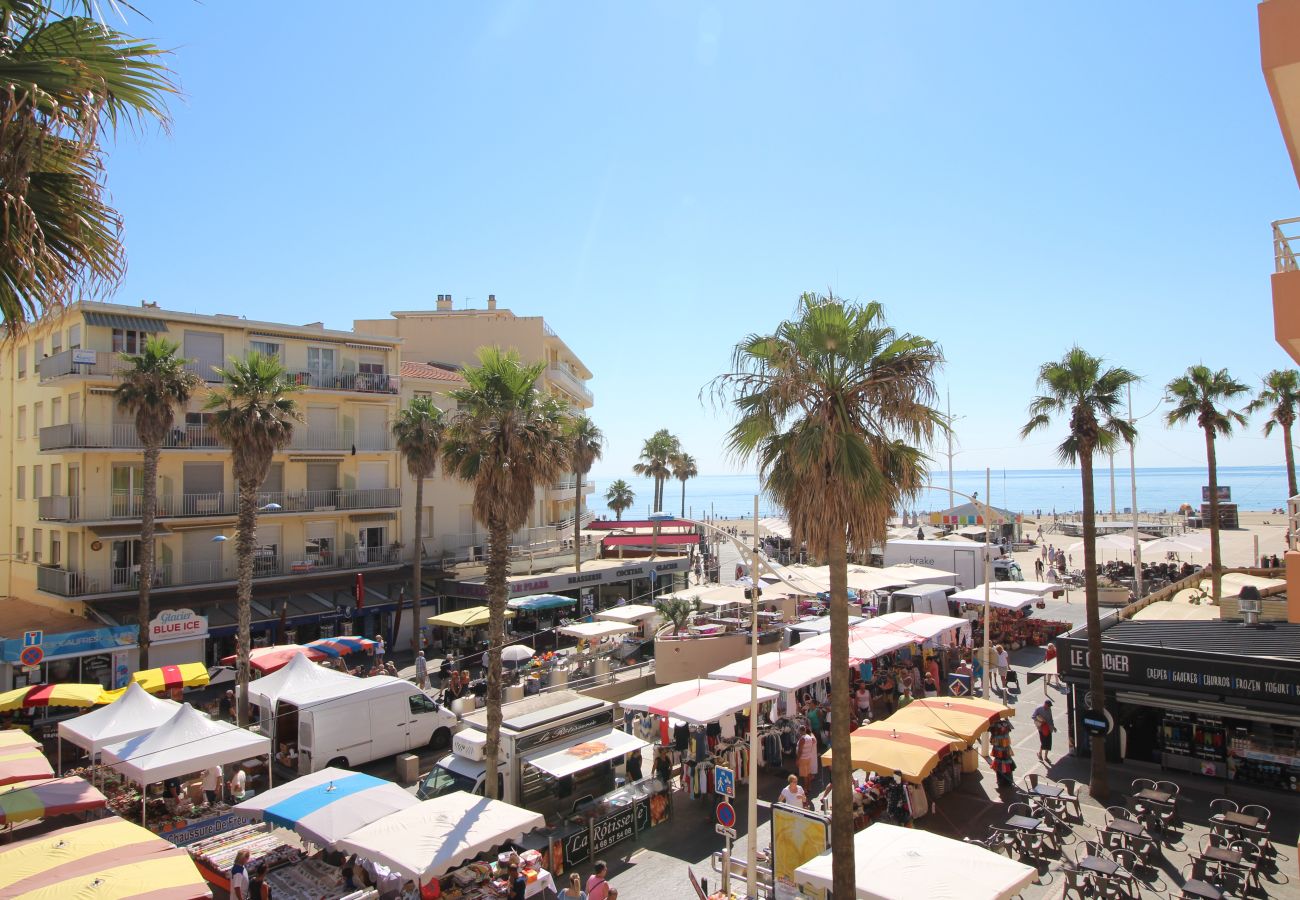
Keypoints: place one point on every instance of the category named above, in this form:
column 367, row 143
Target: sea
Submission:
column 1028, row 491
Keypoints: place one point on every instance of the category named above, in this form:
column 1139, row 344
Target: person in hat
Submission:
column 1043, row 722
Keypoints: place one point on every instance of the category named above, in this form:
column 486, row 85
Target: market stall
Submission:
column 472, row 617
column 698, row 701
column 266, row 660
column 215, row 856
column 105, row 858
column 637, row 614
column 895, row 863
column 23, row 763
column 13, row 737
column 965, row 717
column 23, row 801
column 780, row 671
column 168, row 678
column 327, row 805
column 134, row 713
column 41, row 695
column 998, row 598
column 300, row 673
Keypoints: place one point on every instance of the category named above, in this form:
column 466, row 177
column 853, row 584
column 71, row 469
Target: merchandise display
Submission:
column 312, row 879
column 215, row 856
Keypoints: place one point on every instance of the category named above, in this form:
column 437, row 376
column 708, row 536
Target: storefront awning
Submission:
column 125, row 322
column 646, row 540
column 592, row 631
column 126, row 532
column 586, row 752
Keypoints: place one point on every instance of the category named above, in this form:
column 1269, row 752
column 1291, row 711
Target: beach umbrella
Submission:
column 54, row 695
column 965, row 717
column 165, row 678
column 474, row 617
column 338, row 646
column 541, row 602
column 269, row 659
column 516, row 655
column 328, row 805
column 1121, row 542
column 913, row 755
column 1182, row 543
column 26, row 800
column 23, row 764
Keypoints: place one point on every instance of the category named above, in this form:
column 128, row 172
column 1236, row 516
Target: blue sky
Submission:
column 659, row 179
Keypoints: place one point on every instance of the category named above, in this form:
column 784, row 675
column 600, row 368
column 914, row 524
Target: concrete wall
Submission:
column 678, row 660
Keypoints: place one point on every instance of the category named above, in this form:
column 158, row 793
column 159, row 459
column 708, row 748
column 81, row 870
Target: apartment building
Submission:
column 1279, row 51
column 446, row 339
column 71, row 499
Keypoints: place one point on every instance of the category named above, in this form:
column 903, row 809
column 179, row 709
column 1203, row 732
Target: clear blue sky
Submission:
column 658, row 179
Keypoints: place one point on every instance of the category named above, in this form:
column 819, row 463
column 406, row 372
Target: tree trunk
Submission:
column 577, row 523
column 147, row 558
column 416, row 567
column 684, row 502
column 1216, row 560
column 843, row 878
column 1098, row 786
column 498, row 568
column 245, row 544
column 1290, row 460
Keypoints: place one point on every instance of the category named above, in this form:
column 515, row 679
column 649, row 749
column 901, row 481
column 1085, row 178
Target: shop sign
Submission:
column 566, row 730
column 1133, row 668
column 613, row 830
column 177, row 625
column 643, row 815
column 204, row 828
column 577, row 847
column 74, row 643
column 83, row 357
column 1096, row 721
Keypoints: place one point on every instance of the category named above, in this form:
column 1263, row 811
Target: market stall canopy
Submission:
column 583, row 753
column 473, row 617
column 270, row 659
column 39, row 695
column 428, row 840
column 917, row 574
column 913, row 755
column 781, row 671
column 592, row 631
column 540, row 602
column 13, row 737
column 1028, row 587
column 633, row 612
column 889, row 728
column 335, row 647
column 999, row 598
column 925, row 626
column 23, row 801
column 697, row 701
column 820, row 625
column 299, row 673
column 964, row 717
column 1120, row 541
column 328, row 805
column 717, row 595
column 186, row 675
column 865, row 642
column 894, row 863
column 307, row 693
column 23, row 764
column 135, row 712
column 108, row 859
column 188, row 742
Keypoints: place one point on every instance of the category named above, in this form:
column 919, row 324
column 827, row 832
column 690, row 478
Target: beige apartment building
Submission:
column 72, row 466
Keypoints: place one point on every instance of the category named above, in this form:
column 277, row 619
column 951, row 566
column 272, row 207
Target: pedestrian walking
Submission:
column 1043, row 722
column 792, row 794
column 379, row 650
column 597, row 885
column 1004, row 664
column 421, row 670
column 806, row 753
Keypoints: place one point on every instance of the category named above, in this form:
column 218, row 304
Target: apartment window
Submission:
column 320, row 360
column 38, row 350
column 268, row 348
column 56, row 411
column 22, row 362
column 20, row 540
column 126, row 340
column 371, row 368
column 56, row 549
column 56, row 478
column 38, row 482
column 38, row 535
column 74, row 337
column 427, row 395
column 56, row 343
column 22, row 422
column 22, row 482
column 38, row 410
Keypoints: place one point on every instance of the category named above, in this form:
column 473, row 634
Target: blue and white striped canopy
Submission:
column 328, row 805
column 541, row 601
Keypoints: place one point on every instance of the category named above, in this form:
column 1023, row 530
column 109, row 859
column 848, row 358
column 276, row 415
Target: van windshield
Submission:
column 443, row 781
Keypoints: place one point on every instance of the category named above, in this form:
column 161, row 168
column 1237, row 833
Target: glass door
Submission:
column 127, row 490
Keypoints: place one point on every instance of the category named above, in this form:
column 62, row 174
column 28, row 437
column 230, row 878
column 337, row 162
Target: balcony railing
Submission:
column 174, row 506
column 65, row 583
column 570, row 381
column 341, row 439
column 568, row 484
column 359, row 382
column 98, row 363
column 1286, row 244
column 123, row 436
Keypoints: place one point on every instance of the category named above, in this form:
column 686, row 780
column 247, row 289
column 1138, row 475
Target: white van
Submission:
column 924, row 598
column 349, row 724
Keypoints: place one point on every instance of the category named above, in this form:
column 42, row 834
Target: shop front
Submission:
column 601, row 583
column 106, row 655
column 177, row 636
column 1216, row 698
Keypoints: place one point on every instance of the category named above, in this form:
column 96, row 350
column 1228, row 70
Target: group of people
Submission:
column 1051, row 557
column 597, row 887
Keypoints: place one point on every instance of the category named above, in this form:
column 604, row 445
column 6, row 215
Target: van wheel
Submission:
column 339, row 762
column 441, row 739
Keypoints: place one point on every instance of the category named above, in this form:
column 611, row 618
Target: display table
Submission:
column 614, row 818
column 312, row 879
column 474, row 882
column 215, row 856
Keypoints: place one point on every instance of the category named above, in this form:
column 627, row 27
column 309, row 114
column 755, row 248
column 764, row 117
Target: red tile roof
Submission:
column 430, row 373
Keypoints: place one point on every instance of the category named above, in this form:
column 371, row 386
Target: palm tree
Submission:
column 675, row 611
column 505, row 439
column 586, row 441
column 1281, row 391
column 829, row 406
column 619, row 497
column 68, row 79
column 155, row 383
column 683, row 469
column 1198, row 395
column 254, row 413
column 655, row 453
column 1078, row 387
column 418, row 431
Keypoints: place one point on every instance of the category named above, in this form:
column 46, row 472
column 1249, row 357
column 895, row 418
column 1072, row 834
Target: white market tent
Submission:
column 787, row 671
column 428, row 840
column 327, row 805
column 1028, row 587
column 594, row 631
column 925, row 626
column 633, row 612
column 134, row 713
column 918, row 574
column 1120, row 541
column 895, row 863
column 865, row 642
column 299, row 673
column 188, row 742
column 718, row 595
column 697, row 701
column 1002, row 599
column 861, row 578
column 585, row 752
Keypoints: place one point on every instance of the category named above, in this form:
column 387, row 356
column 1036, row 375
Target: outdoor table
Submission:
column 1047, row 790
column 1153, row 796
column 1127, row 827
column 1194, row 887
column 1099, row 865
column 1024, row 823
column 1223, row 855
column 1240, row 820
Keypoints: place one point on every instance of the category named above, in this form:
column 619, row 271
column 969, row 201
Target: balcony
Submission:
column 570, row 381
column 123, row 436
column 341, row 439
column 123, row 506
column 564, row 488
column 101, row 364
column 354, row 382
column 1286, row 285
column 65, row 583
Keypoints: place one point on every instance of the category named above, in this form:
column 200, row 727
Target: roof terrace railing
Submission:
column 1286, row 244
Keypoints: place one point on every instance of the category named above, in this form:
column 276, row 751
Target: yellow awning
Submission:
column 473, row 617
column 964, row 717
column 911, row 755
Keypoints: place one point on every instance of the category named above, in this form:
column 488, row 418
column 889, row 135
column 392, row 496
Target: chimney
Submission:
column 1249, row 605
column 492, row 301
column 444, row 301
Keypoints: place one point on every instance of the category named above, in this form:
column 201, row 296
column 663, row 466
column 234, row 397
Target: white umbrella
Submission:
column 516, row 655
column 1182, row 543
column 1107, row 542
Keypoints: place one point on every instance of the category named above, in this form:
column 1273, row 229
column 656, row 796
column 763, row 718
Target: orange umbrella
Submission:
column 54, row 695
column 964, row 717
column 888, row 729
column 270, row 659
column 912, row 755
column 156, row 681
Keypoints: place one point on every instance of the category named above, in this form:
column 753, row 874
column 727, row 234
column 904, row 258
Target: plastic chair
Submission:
column 1063, row 831
column 1004, row 840
column 1093, row 848
column 1021, row 809
column 1070, row 799
column 1221, row 805
column 1118, row 812
column 1031, row 780
column 1169, row 788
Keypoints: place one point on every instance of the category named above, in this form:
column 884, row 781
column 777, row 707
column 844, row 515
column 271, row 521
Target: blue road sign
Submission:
column 724, row 781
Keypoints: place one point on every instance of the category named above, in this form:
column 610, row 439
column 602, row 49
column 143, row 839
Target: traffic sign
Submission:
column 725, row 831
column 31, row 656
column 726, row 814
column 724, row 781
column 33, row 638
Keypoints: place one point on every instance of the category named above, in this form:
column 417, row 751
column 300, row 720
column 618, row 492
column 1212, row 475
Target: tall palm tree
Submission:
column 683, row 469
column 505, row 439
column 64, row 80
column 155, row 383
column 1198, row 394
column 254, row 413
column 619, row 497
column 418, row 431
column 1281, row 391
column 655, row 453
column 586, row 442
column 1077, row 386
column 830, row 406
